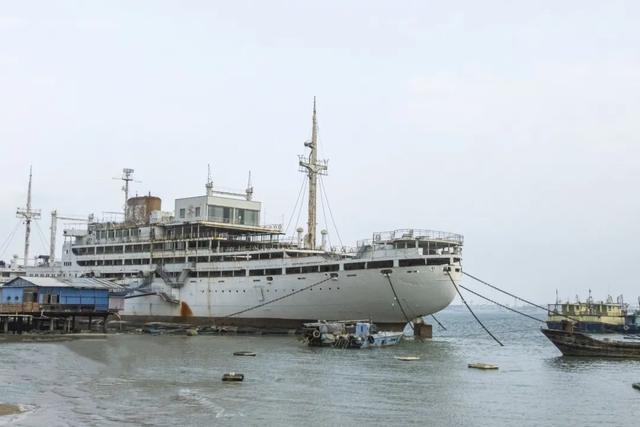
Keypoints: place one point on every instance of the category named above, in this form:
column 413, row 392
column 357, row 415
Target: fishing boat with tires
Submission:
column 348, row 334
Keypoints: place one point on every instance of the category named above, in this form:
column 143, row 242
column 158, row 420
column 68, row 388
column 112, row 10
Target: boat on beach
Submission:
column 572, row 343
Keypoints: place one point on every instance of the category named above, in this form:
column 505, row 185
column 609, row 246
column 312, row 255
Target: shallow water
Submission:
column 175, row 380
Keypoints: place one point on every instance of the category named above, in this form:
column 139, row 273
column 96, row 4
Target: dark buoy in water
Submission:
column 636, row 386
column 232, row 376
column 244, row 353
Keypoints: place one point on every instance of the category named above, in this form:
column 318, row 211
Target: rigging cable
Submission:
column 387, row 274
column 326, row 223
column 277, row 299
column 293, row 212
column 471, row 311
column 43, row 239
column 293, row 232
column 323, row 191
column 7, row 242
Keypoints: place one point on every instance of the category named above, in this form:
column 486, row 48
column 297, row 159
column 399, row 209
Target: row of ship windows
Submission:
column 162, row 246
column 294, row 270
column 213, row 258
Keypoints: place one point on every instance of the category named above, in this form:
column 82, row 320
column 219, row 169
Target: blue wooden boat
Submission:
column 348, row 334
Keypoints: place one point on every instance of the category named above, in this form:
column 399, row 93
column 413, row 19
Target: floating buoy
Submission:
column 407, row 358
column 636, row 386
column 232, row 376
column 244, row 353
column 482, row 366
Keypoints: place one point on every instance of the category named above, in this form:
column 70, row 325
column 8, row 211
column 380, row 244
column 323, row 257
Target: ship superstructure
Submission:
column 212, row 260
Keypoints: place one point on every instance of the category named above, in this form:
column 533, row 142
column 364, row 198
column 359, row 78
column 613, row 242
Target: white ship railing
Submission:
column 412, row 234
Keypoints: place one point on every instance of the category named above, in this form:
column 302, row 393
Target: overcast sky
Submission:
column 515, row 124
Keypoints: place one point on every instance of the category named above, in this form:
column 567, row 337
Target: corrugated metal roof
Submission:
column 73, row 282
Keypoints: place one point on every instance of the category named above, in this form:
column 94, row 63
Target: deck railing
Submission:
column 412, row 234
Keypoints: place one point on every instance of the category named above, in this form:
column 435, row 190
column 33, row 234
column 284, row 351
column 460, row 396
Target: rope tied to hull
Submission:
column 277, row 299
column 502, row 305
column 438, row 322
column 471, row 311
column 387, row 274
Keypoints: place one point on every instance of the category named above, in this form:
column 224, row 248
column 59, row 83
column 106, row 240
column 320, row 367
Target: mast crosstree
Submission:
column 312, row 167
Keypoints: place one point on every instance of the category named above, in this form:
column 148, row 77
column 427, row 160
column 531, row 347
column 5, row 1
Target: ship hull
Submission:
column 288, row 301
column 598, row 327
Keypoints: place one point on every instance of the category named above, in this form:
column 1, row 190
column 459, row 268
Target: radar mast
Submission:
column 28, row 214
column 312, row 167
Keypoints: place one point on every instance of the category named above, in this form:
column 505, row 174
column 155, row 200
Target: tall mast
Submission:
column 28, row 214
column 127, row 177
column 313, row 168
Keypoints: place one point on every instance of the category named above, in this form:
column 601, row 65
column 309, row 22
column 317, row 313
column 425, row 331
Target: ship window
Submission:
column 354, row 266
column 198, row 211
column 275, row 255
column 182, row 212
column 256, row 272
column 438, row 261
column 293, row 270
column 456, row 260
column 203, row 259
column 331, row 267
column 412, row 262
column 240, row 273
column 273, row 271
column 380, row 264
column 310, row 269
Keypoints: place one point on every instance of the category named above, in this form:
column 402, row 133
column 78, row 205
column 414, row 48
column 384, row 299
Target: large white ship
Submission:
column 211, row 261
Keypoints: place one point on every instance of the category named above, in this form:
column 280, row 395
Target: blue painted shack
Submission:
column 49, row 294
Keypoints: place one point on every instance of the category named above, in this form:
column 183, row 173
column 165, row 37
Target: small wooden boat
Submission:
column 484, row 366
column 579, row 344
column 244, row 353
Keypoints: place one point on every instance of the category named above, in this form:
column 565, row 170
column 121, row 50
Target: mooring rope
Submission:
column 387, row 274
column 501, row 305
column 277, row 299
column 471, row 311
column 438, row 322
column 517, row 297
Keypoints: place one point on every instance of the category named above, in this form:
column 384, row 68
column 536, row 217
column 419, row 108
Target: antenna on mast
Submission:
column 28, row 214
column 312, row 167
column 209, row 184
column 127, row 177
column 249, row 189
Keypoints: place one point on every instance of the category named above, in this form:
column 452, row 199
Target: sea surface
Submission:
column 176, row 380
